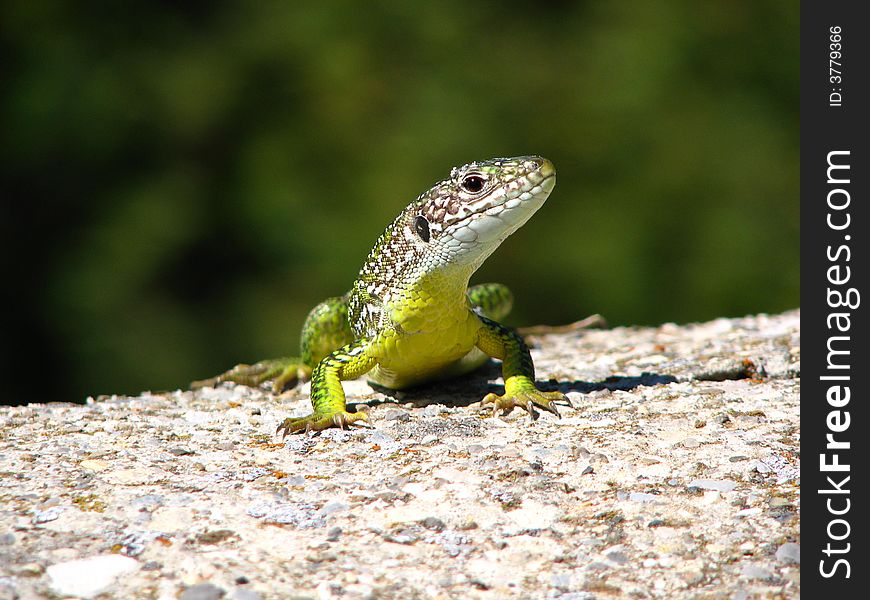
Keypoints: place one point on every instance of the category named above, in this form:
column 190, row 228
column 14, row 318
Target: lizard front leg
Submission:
column 327, row 395
column 518, row 371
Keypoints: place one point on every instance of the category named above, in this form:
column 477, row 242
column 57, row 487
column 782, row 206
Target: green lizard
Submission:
column 410, row 317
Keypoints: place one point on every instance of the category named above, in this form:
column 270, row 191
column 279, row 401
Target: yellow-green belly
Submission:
column 445, row 348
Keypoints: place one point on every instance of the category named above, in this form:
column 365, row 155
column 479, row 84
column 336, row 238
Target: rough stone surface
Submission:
column 89, row 577
column 674, row 475
column 789, row 553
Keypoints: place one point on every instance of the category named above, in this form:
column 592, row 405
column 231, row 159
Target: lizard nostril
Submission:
column 545, row 167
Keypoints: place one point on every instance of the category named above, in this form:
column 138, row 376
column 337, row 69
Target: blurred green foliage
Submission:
column 183, row 181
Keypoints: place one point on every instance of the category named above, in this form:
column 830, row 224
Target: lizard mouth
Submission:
column 506, row 209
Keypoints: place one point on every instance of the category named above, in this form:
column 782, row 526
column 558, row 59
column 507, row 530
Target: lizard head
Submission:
column 450, row 230
column 463, row 219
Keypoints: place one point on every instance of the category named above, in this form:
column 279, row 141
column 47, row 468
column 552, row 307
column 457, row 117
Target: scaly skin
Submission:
column 410, row 317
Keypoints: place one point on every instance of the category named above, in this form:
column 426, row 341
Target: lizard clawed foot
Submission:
column 526, row 399
column 320, row 421
column 284, row 373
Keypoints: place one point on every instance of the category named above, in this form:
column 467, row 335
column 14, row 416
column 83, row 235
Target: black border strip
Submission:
column 834, row 231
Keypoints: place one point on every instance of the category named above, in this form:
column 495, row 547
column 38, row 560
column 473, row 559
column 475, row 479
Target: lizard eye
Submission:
column 422, row 227
column 473, row 183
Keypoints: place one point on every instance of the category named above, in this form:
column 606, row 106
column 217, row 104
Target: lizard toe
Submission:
column 320, row 421
column 530, row 401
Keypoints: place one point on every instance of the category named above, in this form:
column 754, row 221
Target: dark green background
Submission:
column 182, row 184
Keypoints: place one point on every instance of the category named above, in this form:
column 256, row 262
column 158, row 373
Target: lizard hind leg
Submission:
column 326, row 328
column 283, row 372
column 491, row 300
